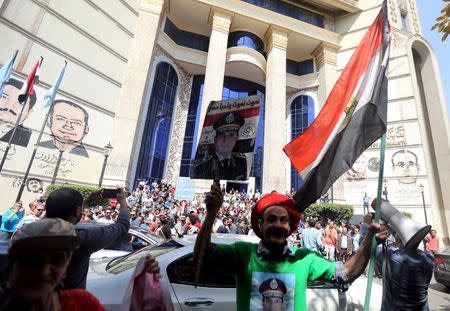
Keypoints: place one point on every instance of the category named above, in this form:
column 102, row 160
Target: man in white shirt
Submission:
column 36, row 211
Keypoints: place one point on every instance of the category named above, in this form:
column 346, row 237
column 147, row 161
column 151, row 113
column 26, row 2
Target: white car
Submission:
column 216, row 290
column 140, row 239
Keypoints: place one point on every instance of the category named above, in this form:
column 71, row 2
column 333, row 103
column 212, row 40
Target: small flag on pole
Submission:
column 49, row 96
column 5, row 72
column 352, row 118
column 28, row 85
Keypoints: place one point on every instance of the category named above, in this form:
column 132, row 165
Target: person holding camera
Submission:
column 10, row 220
column 68, row 204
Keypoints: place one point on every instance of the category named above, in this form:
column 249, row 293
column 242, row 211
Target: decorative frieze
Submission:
column 393, row 15
column 325, row 53
column 220, row 20
column 179, row 118
column 276, row 37
column 414, row 18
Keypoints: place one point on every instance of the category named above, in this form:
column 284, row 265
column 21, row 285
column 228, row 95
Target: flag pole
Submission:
column 50, row 97
column 376, row 220
column 33, row 155
column 24, row 103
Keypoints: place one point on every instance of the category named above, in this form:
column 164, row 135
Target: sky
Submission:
column 429, row 10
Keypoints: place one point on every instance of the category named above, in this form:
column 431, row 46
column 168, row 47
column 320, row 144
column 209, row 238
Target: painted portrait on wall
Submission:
column 405, row 166
column 358, row 170
column 69, row 124
column 10, row 108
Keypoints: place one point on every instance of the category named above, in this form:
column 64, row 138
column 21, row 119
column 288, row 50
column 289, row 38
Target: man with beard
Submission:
column 10, row 108
column 68, row 123
column 273, row 219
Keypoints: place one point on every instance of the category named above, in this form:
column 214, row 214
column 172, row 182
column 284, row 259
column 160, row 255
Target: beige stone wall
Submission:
column 94, row 37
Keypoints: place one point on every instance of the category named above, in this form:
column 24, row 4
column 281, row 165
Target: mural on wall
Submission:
column 405, row 166
column 358, row 170
column 69, row 124
column 67, row 130
column 10, row 109
column 34, row 185
column 403, row 174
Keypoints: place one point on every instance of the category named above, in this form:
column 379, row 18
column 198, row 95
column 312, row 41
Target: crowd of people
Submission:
column 154, row 208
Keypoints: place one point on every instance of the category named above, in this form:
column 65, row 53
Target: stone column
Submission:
column 133, row 92
column 215, row 70
column 215, row 63
column 274, row 160
column 325, row 57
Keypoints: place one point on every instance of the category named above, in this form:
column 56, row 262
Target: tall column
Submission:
column 215, row 63
column 274, row 160
column 133, row 92
column 215, row 71
column 325, row 57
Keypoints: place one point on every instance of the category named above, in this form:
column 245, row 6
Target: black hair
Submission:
column 63, row 203
column 68, row 102
column 404, row 151
column 33, row 179
column 18, row 84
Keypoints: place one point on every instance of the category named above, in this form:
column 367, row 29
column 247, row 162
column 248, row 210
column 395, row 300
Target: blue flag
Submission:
column 5, row 72
column 49, row 97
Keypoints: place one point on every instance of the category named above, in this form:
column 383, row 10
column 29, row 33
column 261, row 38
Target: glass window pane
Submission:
column 301, row 109
column 153, row 152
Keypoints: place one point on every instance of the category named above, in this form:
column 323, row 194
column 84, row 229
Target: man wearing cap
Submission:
column 224, row 163
column 38, row 256
column 273, row 219
column 272, row 291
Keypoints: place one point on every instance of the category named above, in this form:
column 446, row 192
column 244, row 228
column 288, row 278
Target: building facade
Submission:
column 142, row 72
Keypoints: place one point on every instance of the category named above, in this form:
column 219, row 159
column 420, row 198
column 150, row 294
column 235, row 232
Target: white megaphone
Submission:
column 410, row 232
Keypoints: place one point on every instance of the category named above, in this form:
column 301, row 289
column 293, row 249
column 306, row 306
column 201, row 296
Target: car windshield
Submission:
column 126, row 262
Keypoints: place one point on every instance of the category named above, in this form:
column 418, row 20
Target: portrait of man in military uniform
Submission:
column 272, row 291
column 222, row 162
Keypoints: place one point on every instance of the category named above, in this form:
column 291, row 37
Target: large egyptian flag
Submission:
column 352, row 118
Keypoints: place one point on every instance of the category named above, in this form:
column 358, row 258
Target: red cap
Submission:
column 272, row 199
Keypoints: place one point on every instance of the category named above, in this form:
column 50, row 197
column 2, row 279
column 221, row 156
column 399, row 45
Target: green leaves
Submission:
column 443, row 22
column 331, row 211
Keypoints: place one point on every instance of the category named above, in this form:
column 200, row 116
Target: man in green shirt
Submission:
column 272, row 263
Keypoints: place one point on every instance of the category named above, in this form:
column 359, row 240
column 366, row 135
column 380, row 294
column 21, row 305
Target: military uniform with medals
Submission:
column 211, row 166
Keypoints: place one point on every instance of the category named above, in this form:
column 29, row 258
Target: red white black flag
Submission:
column 352, row 118
column 33, row 78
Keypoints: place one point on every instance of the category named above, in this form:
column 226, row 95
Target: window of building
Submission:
column 190, row 136
column 404, row 17
column 299, row 68
column 290, row 10
column 233, row 88
column 302, row 115
column 247, row 39
column 155, row 140
column 186, row 38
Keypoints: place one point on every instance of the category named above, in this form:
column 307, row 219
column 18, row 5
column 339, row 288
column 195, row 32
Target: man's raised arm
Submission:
column 358, row 262
column 213, row 202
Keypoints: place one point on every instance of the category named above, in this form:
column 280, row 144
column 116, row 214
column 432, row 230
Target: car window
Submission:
column 182, row 271
column 120, row 264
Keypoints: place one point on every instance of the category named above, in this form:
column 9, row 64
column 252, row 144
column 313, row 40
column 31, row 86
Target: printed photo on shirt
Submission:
column 227, row 141
column 272, row 291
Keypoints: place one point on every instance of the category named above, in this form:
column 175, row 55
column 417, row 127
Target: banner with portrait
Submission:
column 227, row 141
